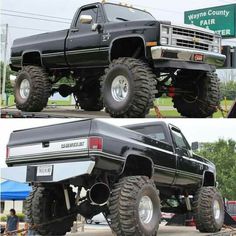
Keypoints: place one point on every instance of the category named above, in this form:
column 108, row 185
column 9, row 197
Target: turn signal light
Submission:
column 95, row 143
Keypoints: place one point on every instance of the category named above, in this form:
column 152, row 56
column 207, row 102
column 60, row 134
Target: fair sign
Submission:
column 220, row 19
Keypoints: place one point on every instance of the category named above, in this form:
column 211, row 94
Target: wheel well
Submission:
column 209, row 179
column 32, row 58
column 127, row 47
column 137, row 165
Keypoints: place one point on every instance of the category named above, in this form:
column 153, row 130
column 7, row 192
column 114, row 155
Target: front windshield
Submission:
column 122, row 13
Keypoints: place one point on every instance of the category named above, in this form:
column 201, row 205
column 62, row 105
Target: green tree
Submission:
column 9, row 88
column 223, row 154
column 228, row 90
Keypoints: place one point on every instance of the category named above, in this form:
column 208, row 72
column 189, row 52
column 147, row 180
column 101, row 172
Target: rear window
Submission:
column 155, row 132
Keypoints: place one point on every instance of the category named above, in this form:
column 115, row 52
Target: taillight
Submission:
column 7, row 152
column 95, row 143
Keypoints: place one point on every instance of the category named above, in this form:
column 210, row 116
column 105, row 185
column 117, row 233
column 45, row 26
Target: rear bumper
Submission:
column 60, row 172
column 186, row 55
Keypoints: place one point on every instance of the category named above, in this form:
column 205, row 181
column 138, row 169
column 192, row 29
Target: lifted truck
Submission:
column 130, row 174
column 121, row 59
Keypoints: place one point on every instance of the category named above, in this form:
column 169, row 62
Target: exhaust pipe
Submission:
column 99, row 194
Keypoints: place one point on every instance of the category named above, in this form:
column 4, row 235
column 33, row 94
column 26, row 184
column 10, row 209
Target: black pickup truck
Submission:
column 120, row 58
column 129, row 174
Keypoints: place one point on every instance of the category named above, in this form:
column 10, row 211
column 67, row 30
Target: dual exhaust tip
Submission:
column 99, row 194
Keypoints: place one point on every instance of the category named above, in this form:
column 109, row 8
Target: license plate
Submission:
column 45, row 170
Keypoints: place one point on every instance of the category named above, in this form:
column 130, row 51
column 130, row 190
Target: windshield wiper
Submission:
column 123, row 19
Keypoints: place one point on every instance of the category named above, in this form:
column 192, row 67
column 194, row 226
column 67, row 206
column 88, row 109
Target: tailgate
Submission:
column 47, row 143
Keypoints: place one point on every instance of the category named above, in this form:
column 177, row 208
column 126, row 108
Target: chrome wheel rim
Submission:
column 216, row 209
column 24, row 88
column 119, row 88
column 145, row 210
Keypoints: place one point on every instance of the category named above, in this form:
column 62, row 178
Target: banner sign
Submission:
column 221, row 19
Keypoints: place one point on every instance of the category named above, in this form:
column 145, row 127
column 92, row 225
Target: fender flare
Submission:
column 137, row 155
column 32, row 51
column 126, row 37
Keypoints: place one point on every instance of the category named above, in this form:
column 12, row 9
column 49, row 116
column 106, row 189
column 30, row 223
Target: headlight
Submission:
column 165, row 30
column 164, row 41
column 216, row 49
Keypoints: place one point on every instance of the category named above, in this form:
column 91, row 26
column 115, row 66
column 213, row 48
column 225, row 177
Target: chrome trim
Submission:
column 16, row 58
column 58, row 156
column 184, row 54
column 119, row 88
column 69, row 155
column 177, row 171
column 54, row 147
column 192, row 159
column 145, row 210
column 81, row 51
column 53, row 54
column 61, row 171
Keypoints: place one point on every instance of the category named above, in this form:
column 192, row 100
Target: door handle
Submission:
column 74, row 30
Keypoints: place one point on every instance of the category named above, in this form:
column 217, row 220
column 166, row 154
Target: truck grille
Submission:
column 190, row 38
column 193, row 34
column 189, row 44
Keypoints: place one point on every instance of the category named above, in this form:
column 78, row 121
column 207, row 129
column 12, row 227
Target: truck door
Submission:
column 160, row 151
column 83, row 41
column 187, row 167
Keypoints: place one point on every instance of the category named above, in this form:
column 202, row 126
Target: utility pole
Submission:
column 5, row 65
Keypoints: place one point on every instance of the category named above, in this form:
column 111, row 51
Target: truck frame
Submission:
column 130, row 174
column 121, row 59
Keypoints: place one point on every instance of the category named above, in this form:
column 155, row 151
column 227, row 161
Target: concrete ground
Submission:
column 100, row 230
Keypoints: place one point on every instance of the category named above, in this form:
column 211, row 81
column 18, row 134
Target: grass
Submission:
column 60, row 103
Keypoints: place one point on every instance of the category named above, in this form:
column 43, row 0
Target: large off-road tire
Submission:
column 32, row 89
column 48, row 204
column 208, row 210
column 28, row 206
column 206, row 94
column 127, row 212
column 90, row 97
column 128, row 88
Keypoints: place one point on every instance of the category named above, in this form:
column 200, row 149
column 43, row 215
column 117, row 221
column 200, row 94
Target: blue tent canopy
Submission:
column 14, row 191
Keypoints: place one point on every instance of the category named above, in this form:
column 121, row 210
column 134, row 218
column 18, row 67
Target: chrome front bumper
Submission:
column 183, row 54
column 60, row 172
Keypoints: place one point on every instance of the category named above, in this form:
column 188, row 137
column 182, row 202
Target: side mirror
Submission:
column 195, row 146
column 97, row 27
column 85, row 19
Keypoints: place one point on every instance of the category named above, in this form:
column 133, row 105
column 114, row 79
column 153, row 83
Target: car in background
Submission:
column 98, row 219
column 166, row 216
column 231, row 209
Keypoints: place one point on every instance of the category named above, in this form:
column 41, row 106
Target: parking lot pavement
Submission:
column 94, row 230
